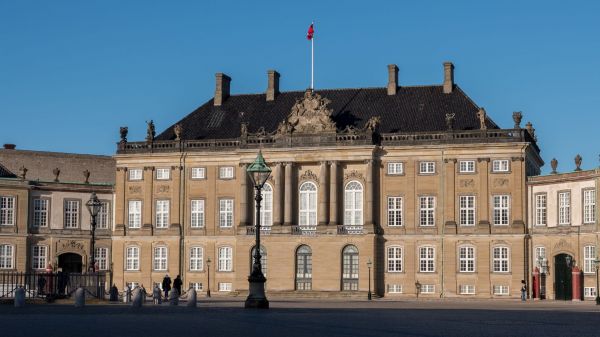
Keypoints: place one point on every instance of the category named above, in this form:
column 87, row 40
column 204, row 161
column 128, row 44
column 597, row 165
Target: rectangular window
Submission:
column 102, row 258
column 7, row 211
column 162, row 213
column 427, row 259
column 427, row 211
column 394, row 259
column 500, row 259
column 196, row 259
column 40, row 212
column 196, row 286
column 500, row 290
column 501, row 207
column 103, row 217
column 7, row 255
column 394, row 211
column 39, row 257
column 589, row 291
column 467, row 289
column 71, row 213
column 589, row 206
column 467, row 259
column 427, row 167
column 500, row 165
column 564, row 208
column 540, row 255
column 135, row 214
column 589, row 255
column 427, row 288
column 541, row 212
column 225, row 259
column 466, row 166
column 224, row 286
column 198, row 173
column 163, row 173
column 226, row 213
column 226, row 172
column 135, row 174
column 132, row 261
column 395, row 168
column 394, row 288
column 467, row 210
column 197, row 210
column 160, row 258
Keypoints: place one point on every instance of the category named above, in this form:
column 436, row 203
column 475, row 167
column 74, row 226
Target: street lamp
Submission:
column 208, row 274
column 597, row 263
column 369, row 264
column 259, row 173
column 93, row 205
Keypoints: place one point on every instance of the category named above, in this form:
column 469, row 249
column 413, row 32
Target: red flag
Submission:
column 311, row 32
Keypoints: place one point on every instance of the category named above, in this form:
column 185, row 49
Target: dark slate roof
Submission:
column 6, row 173
column 412, row 109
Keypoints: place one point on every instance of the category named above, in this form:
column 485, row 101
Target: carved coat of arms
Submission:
column 309, row 114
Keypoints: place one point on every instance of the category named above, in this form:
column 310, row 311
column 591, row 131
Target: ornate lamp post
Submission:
column 93, row 205
column 259, row 173
column 597, row 263
column 208, row 274
column 369, row 265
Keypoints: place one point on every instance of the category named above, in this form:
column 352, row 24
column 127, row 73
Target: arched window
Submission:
column 196, row 259
column 350, row 268
column 308, row 204
column 266, row 209
column 353, row 204
column 303, row 268
column 263, row 259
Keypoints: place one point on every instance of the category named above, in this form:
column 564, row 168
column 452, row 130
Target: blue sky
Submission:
column 72, row 72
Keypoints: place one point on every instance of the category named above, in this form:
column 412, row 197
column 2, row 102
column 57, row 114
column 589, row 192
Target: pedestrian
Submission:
column 523, row 290
column 177, row 284
column 156, row 294
column 166, row 285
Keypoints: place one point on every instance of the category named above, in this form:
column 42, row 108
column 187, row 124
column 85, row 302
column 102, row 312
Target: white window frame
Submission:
column 308, row 204
column 500, row 165
column 467, row 208
column 266, row 210
column 226, row 213
column 41, row 208
column 353, row 204
column 589, row 206
column 541, row 209
column 135, row 174
column 132, row 258
column 134, row 214
column 163, row 173
column 427, row 167
column 101, row 257
column 395, row 259
column 197, row 213
column 501, row 259
column 501, row 290
column 71, row 213
column 427, row 289
column 501, row 209
column 7, row 256
column 162, row 213
column 394, row 205
column 466, row 289
column 226, row 172
column 394, row 289
column 427, row 211
column 427, row 259
column 589, row 291
column 395, row 168
column 103, row 217
column 196, row 286
column 564, row 207
column 160, row 258
column 589, row 256
column 466, row 166
column 39, row 257
column 225, row 286
column 225, row 259
column 7, row 210
column 466, row 259
column 196, row 258
column 540, row 251
column 198, row 173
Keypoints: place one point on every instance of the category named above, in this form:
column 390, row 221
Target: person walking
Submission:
column 166, row 285
column 177, row 284
column 523, row 290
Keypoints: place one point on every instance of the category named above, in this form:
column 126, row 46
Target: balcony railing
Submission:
column 264, row 230
column 350, row 230
column 304, row 230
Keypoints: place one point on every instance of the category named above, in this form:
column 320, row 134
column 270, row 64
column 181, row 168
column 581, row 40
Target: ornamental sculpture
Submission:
column 178, row 129
column 481, row 115
column 23, row 172
column 531, row 130
column 373, row 123
column 56, row 173
column 450, row 121
column 150, row 132
column 86, row 175
column 123, row 130
column 309, row 114
column 578, row 160
column 554, row 165
column 517, row 117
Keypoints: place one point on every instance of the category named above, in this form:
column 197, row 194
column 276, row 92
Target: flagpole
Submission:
column 312, row 62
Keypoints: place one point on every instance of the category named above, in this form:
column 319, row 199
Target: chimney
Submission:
column 448, row 77
column 222, row 88
column 273, row 85
column 9, row 146
column 392, row 86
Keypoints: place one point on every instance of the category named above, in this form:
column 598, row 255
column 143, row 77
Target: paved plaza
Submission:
column 226, row 317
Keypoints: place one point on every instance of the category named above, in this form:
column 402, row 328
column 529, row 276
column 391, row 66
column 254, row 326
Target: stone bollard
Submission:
column 79, row 298
column 191, row 298
column 19, row 297
column 138, row 297
column 174, row 297
column 127, row 295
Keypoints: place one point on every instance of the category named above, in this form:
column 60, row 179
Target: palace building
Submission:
column 413, row 186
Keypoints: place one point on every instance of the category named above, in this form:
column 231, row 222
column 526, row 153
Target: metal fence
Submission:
column 51, row 285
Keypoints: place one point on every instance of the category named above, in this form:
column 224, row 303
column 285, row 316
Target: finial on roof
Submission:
column 150, row 133
column 578, row 161
column 56, row 172
column 123, row 130
column 517, row 116
column 554, row 165
column 178, row 130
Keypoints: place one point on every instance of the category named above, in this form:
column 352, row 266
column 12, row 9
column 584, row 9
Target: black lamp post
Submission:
column 597, row 263
column 208, row 274
column 259, row 173
column 93, row 205
column 369, row 265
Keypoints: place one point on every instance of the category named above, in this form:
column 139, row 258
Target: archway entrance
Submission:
column 562, row 277
column 70, row 262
